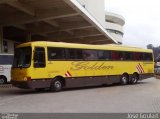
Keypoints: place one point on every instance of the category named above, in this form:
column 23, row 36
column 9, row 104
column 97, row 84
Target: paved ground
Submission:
column 143, row 97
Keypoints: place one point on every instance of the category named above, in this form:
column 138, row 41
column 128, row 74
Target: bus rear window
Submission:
column 22, row 57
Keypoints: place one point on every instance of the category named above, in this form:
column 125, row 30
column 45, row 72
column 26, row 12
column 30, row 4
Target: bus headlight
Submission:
column 27, row 78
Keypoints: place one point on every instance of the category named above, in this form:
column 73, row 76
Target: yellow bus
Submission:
column 56, row 65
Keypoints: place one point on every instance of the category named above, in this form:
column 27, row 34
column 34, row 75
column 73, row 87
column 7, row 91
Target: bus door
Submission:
column 39, row 63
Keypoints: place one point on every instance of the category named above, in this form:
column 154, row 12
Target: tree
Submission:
column 150, row 46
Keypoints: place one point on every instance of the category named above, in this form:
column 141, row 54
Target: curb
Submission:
column 157, row 76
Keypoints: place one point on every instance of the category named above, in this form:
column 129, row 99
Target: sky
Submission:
column 142, row 19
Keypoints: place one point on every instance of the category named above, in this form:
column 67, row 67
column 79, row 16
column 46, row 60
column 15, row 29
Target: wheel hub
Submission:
column 1, row 81
column 124, row 80
column 57, row 84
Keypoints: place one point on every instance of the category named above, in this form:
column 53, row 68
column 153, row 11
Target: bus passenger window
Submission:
column 128, row 56
column 90, row 55
column 56, row 54
column 117, row 56
column 104, row 55
column 147, row 57
column 39, row 57
column 74, row 54
column 107, row 55
column 101, row 55
column 138, row 56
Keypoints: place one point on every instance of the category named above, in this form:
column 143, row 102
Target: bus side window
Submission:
column 39, row 57
column 137, row 56
column 74, row 54
column 147, row 57
column 117, row 56
column 56, row 54
column 101, row 55
column 90, row 55
column 128, row 56
column 107, row 55
column 104, row 55
column 6, row 59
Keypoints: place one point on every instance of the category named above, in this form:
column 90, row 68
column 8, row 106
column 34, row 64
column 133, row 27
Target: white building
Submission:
column 114, row 25
column 112, row 22
column 96, row 9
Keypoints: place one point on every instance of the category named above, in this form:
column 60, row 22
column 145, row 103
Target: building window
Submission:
column 115, row 31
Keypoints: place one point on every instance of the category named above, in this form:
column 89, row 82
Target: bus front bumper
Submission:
column 21, row 84
column 32, row 84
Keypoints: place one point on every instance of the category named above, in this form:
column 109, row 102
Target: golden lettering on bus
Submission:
column 90, row 66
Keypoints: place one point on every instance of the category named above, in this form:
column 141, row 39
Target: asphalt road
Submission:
column 143, row 97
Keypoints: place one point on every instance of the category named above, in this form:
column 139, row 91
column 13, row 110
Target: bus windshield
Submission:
column 22, row 57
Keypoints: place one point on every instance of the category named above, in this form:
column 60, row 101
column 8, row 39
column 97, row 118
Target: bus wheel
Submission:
column 3, row 80
column 40, row 89
column 56, row 85
column 134, row 79
column 124, row 79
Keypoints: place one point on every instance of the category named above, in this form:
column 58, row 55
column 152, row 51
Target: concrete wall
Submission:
column 8, row 46
column 96, row 8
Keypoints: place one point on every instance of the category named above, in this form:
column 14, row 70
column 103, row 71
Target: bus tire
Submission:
column 56, row 85
column 134, row 79
column 40, row 89
column 124, row 79
column 3, row 80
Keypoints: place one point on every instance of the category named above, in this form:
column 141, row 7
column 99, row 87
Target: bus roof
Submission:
column 84, row 46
